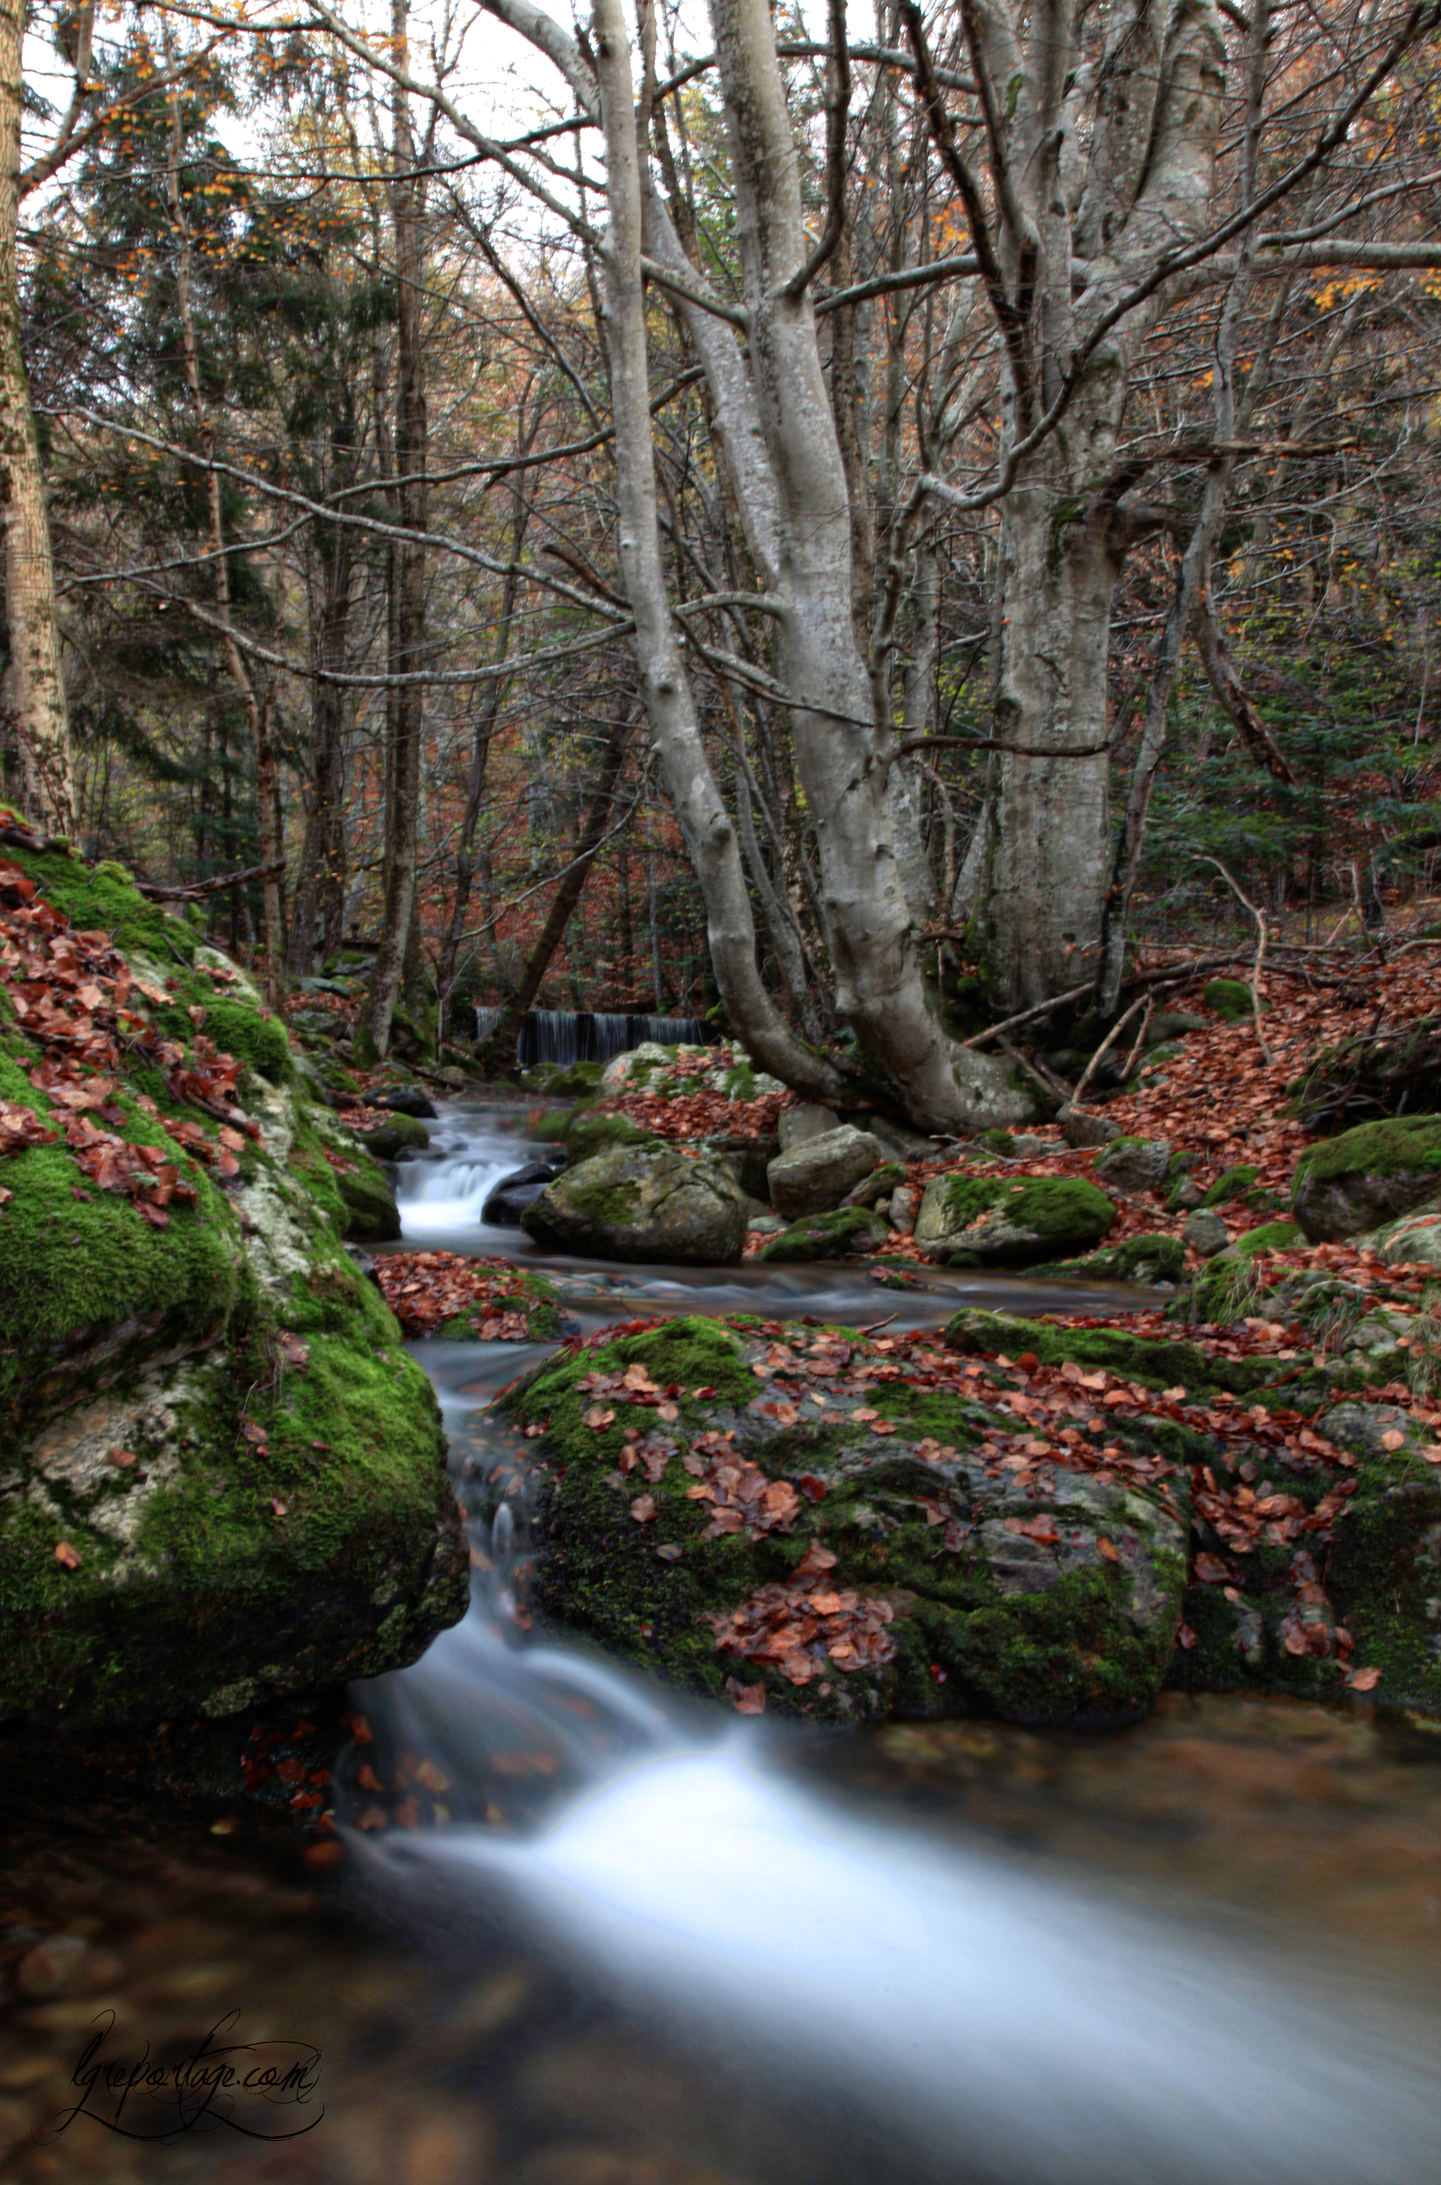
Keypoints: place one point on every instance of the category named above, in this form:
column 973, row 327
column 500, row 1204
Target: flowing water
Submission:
column 628, row 1942
column 570, row 1035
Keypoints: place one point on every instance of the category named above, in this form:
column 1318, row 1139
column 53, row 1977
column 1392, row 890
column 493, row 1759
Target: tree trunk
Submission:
column 403, row 804
column 39, row 687
column 321, row 885
column 1051, row 861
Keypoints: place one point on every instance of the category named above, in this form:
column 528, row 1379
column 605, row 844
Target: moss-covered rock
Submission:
column 1234, row 1183
column 563, row 1080
column 586, row 1134
column 858, row 1556
column 221, row 1478
column 845, row 1230
column 371, row 1214
column 1230, row 998
column 1133, row 1164
column 1368, row 1176
column 1145, row 1259
column 1152, row 1360
column 974, row 1221
column 642, row 1202
column 396, row 1135
column 1385, row 1566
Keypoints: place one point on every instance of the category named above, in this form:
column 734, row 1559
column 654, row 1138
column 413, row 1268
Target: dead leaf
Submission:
column 1364, row 1680
column 66, row 1556
column 643, row 1509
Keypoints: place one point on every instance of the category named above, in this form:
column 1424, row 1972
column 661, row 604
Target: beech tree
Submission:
column 1089, row 158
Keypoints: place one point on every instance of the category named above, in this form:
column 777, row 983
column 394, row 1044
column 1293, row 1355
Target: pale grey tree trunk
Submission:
column 35, row 666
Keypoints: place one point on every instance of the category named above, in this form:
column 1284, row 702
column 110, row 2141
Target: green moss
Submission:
column 563, row 1081
column 1047, row 1206
column 1385, row 1576
column 1149, row 1359
column 587, row 1134
column 1397, row 1145
column 81, row 1277
column 103, row 898
column 740, row 1082
column 827, row 1236
column 1230, row 998
column 397, row 1134
column 371, row 1216
column 1143, row 1259
column 1231, row 1185
column 260, row 1042
column 1271, row 1236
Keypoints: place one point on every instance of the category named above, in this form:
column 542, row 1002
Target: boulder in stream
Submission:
column 816, row 1173
column 851, row 1532
column 509, row 1198
column 642, row 1202
column 1010, row 1221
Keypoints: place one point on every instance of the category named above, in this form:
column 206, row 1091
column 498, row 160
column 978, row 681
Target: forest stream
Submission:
column 646, row 1945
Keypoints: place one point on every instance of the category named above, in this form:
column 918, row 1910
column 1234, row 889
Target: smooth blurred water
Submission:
column 976, row 2017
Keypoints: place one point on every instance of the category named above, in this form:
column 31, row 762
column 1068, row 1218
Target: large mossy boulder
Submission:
column 221, row 1478
column 586, row 1134
column 815, row 1173
column 707, row 1517
column 978, row 1221
column 642, row 1202
column 1367, row 1177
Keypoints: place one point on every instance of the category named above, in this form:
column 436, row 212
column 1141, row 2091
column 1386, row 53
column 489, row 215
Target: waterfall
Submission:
column 567, row 1035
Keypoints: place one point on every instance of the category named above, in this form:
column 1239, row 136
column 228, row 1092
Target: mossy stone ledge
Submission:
column 1038, row 1602
column 221, row 1478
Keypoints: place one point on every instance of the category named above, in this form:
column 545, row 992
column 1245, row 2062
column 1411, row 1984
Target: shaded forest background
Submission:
column 214, row 343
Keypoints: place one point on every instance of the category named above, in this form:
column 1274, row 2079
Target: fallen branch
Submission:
column 1099, row 1056
column 1168, row 975
column 195, row 890
column 1259, row 917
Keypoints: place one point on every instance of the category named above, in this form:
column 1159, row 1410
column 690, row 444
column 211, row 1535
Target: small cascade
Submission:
column 569, row 1035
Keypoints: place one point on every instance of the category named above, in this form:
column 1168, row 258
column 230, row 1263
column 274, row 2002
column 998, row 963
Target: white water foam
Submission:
column 1020, row 2023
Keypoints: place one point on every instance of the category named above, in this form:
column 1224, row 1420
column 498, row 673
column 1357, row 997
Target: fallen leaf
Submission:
column 66, row 1556
column 1104, row 1548
column 1364, row 1680
column 596, row 1419
column 643, row 1509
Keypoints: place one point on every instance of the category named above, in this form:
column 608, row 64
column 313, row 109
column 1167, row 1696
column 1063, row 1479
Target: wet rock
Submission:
column 1082, row 1129
column 1367, row 1177
column 905, row 1205
column 223, row 1478
column 1133, row 1164
column 878, row 1186
column 1205, row 1232
column 829, row 1236
column 1144, row 1259
column 371, row 1214
column 861, row 1553
column 403, row 1134
column 747, row 1155
column 586, row 1134
column 816, row 1174
column 646, row 1202
column 1384, row 1572
column 809, row 1120
column 967, row 1220
column 403, row 1100
column 515, row 1192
